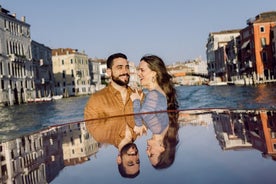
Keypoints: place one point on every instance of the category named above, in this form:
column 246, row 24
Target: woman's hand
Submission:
column 136, row 95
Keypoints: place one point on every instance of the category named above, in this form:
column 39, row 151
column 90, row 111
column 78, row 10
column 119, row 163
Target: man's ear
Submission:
column 119, row 159
column 108, row 72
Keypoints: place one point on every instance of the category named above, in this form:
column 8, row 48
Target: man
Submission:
column 113, row 101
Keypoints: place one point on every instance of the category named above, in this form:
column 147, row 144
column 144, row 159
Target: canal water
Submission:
column 227, row 134
column 21, row 119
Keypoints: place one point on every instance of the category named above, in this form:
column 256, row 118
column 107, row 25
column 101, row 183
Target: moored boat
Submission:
column 57, row 97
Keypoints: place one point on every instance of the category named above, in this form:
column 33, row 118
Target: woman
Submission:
column 161, row 96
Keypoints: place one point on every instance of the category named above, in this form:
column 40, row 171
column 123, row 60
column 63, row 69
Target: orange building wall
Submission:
column 258, row 46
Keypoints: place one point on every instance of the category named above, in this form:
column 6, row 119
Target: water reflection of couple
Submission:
column 116, row 99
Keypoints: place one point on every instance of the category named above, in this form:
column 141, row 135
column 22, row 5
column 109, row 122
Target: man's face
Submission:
column 120, row 71
column 130, row 160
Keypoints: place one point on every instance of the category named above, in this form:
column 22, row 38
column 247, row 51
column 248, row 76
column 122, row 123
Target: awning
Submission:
column 245, row 44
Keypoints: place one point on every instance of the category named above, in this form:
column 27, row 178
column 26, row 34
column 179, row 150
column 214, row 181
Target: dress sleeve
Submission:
column 152, row 102
column 136, row 109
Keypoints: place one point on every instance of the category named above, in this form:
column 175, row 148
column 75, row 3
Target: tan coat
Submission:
column 109, row 103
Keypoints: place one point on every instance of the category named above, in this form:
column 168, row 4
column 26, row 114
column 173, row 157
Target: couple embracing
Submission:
column 108, row 113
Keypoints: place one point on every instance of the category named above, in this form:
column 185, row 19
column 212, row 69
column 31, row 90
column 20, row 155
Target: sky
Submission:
column 175, row 30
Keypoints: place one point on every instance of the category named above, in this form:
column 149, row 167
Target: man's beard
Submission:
column 120, row 82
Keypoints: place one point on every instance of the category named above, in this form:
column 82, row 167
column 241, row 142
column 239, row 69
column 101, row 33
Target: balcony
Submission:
column 44, row 63
column 17, row 58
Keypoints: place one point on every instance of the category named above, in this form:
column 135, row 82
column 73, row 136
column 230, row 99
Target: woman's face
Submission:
column 145, row 74
column 154, row 149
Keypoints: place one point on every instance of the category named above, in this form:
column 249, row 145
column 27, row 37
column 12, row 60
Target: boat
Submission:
column 216, row 83
column 57, row 97
column 42, row 99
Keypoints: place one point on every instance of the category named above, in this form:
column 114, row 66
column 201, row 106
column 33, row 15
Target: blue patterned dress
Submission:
column 154, row 101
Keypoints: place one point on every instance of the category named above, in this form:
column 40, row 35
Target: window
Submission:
column 63, row 73
column 62, row 62
column 262, row 29
column 263, row 42
column 72, row 73
column 51, row 141
column 2, row 84
column 264, row 56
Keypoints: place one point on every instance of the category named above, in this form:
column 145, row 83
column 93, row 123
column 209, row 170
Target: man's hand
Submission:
column 136, row 95
column 140, row 130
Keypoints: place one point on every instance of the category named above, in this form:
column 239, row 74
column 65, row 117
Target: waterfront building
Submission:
column 273, row 44
column 103, row 74
column 71, row 72
column 256, row 47
column 16, row 66
column 94, row 70
column 233, row 66
column 134, row 80
column 43, row 70
column 215, row 53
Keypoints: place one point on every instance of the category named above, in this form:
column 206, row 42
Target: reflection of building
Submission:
column 53, row 153
column 39, row 157
column 16, row 67
column 262, row 130
column 77, row 145
column 230, row 131
column 71, row 72
column 197, row 119
column 35, row 158
column 247, row 129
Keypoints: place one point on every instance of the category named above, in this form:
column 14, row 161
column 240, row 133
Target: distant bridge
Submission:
column 203, row 75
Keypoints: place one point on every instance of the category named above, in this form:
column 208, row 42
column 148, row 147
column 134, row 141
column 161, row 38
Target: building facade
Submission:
column 43, row 70
column 95, row 73
column 273, row 43
column 216, row 61
column 256, row 47
column 16, row 66
column 71, row 72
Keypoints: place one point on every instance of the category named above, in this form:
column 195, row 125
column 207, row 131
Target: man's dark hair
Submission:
column 110, row 59
column 123, row 173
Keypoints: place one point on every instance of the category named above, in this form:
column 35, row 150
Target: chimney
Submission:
column 23, row 19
